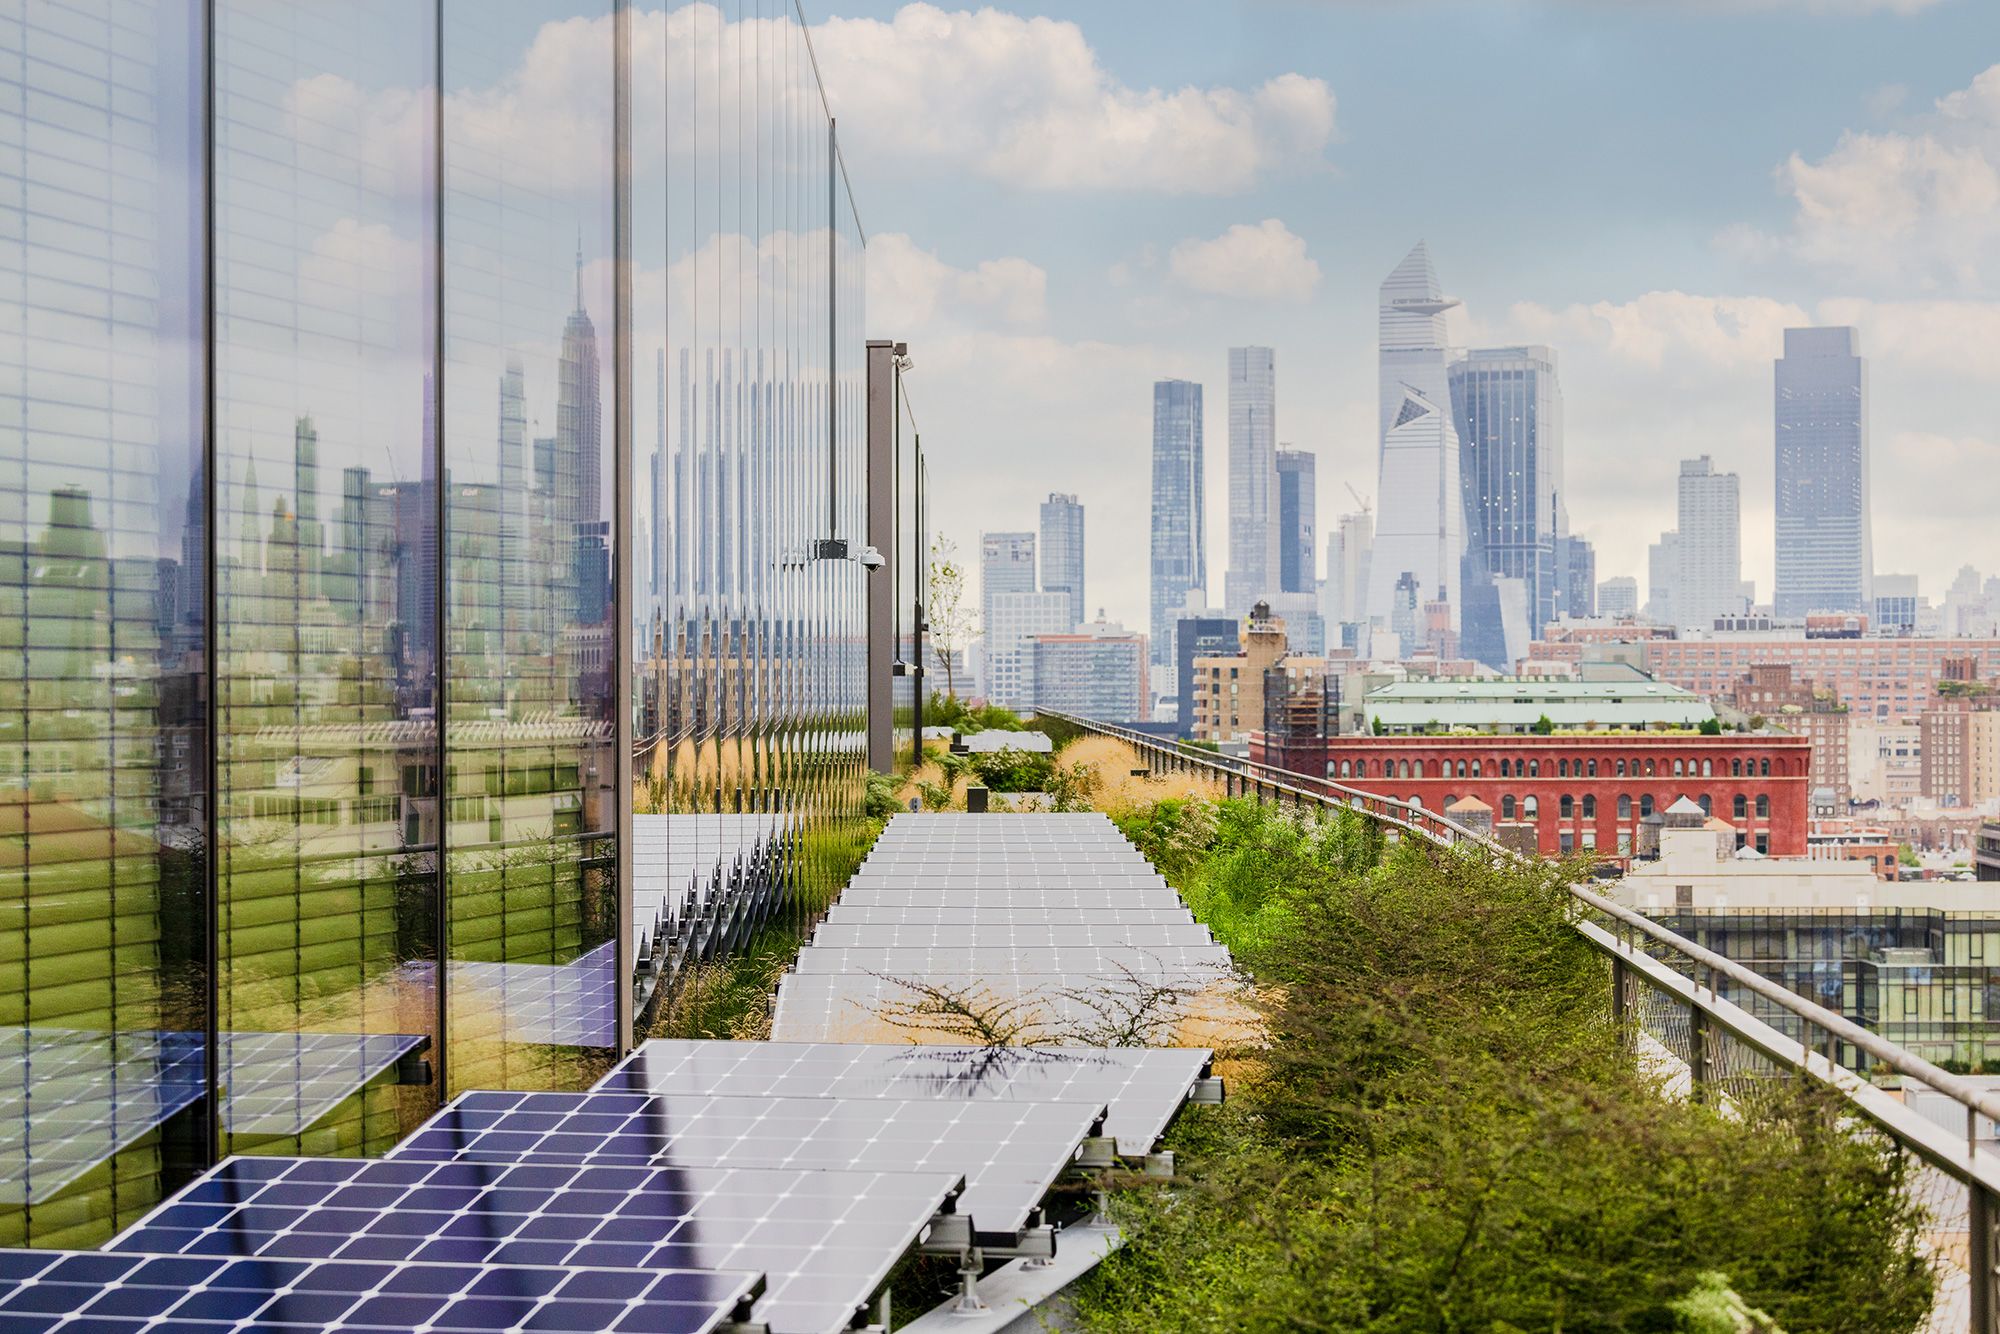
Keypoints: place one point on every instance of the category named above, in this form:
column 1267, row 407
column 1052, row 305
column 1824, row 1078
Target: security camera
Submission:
column 870, row 558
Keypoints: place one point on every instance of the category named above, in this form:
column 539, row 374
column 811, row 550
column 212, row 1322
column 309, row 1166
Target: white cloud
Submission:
column 907, row 284
column 1918, row 206
column 1265, row 261
column 1025, row 101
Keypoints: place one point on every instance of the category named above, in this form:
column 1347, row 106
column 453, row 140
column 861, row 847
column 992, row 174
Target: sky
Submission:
column 1067, row 202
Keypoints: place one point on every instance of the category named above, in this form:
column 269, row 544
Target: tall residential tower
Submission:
column 1062, row 551
column 1825, row 548
column 1180, row 537
column 1297, row 521
column 1253, row 477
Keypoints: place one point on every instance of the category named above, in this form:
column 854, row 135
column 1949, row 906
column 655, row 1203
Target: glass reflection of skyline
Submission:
column 311, row 531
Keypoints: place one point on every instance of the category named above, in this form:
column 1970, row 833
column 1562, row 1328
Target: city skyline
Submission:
column 1663, row 278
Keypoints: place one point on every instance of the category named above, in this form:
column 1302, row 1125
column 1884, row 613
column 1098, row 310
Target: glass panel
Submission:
column 325, row 572
column 530, row 771
column 103, row 593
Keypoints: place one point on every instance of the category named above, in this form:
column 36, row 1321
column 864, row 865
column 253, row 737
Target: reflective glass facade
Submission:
column 1179, row 537
column 419, row 426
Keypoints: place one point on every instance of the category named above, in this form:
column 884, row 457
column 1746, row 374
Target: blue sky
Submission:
column 1652, row 187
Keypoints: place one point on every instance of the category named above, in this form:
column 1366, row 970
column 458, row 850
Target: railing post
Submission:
column 1980, row 1260
column 1697, row 1052
column 1619, row 1003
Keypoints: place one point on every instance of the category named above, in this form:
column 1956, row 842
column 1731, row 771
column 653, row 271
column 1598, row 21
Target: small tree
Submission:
column 1544, row 726
column 947, row 613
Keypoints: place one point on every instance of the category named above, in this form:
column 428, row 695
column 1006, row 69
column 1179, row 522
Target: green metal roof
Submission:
column 1487, row 703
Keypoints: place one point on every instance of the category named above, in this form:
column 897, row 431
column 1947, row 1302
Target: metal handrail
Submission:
column 1448, row 833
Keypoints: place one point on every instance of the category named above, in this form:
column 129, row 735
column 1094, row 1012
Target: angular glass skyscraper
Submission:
column 1507, row 410
column 1253, row 477
column 336, row 670
column 1825, row 540
column 1420, row 514
column 1180, row 536
column 1298, row 525
column 1062, row 551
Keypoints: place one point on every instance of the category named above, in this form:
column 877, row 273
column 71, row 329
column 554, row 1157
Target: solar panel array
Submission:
column 1055, row 923
column 700, row 1183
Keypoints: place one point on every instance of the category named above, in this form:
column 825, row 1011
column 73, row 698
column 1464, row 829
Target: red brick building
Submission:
column 1580, row 790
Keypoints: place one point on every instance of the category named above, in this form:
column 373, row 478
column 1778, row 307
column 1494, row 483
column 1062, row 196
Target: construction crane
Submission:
column 1366, row 507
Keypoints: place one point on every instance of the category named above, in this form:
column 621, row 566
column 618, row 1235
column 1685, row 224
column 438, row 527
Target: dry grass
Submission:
column 1119, row 791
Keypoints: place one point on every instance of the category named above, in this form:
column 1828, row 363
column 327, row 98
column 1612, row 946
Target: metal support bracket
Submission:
column 1098, row 1151
column 1207, row 1091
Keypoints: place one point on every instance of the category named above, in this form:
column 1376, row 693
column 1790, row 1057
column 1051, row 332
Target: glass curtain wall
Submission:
column 312, row 434
column 104, row 873
column 748, row 647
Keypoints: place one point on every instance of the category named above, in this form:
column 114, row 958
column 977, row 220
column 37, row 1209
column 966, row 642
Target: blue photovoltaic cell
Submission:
column 1010, row 1154
column 92, row 1292
column 824, row 1240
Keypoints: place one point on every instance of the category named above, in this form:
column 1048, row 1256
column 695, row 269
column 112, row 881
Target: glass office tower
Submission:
column 345, row 630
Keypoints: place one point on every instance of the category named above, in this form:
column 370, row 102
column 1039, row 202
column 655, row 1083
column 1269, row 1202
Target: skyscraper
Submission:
column 1179, row 556
column 1344, row 591
column 1062, row 551
column 1253, row 477
column 1297, row 521
column 1507, row 410
column 1006, row 565
column 1710, row 579
column 1618, row 596
column 1663, row 571
column 1420, row 524
column 1825, row 545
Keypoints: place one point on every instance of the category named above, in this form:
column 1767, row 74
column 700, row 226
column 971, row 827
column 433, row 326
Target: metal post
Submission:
column 1697, row 1053
column 1979, row 1257
column 1619, row 1003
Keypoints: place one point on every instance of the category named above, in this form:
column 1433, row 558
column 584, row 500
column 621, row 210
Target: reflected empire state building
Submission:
column 374, row 723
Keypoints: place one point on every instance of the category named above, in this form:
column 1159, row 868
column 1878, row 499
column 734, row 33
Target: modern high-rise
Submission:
column 1663, row 573
column 1825, row 543
column 1179, row 561
column 1062, row 551
column 1507, row 409
column 1006, row 565
column 1618, row 596
column 1576, row 578
column 1709, row 553
column 1297, row 521
column 1253, row 477
column 340, row 671
column 1344, row 591
column 1015, row 620
column 1420, row 511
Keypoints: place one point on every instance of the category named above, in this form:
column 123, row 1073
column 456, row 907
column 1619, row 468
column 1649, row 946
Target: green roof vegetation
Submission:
column 1448, row 1130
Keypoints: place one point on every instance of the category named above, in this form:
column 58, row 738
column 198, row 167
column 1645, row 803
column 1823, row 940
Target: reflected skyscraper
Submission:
column 1179, row 560
column 1825, row 537
column 1420, row 514
column 316, row 765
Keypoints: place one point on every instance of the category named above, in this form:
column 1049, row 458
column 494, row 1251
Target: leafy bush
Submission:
column 1014, row 770
column 1448, row 1130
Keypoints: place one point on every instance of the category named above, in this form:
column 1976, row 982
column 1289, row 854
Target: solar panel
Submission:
column 1141, row 1086
column 572, row 1004
column 101, row 1293
column 1010, row 934
column 825, row 1240
column 1122, row 900
column 1010, row 1154
column 863, row 1007
column 953, row 914
column 1080, row 963
column 71, row 1099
